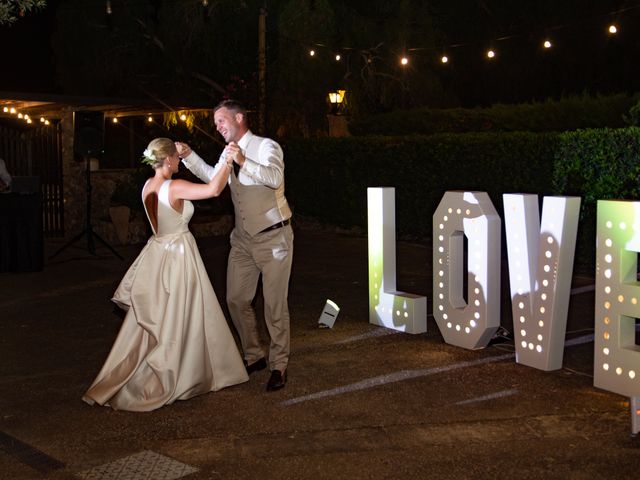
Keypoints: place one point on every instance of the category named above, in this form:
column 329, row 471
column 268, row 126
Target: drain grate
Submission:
column 146, row 465
column 28, row 455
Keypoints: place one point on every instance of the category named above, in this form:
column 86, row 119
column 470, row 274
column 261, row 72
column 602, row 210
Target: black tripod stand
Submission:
column 88, row 229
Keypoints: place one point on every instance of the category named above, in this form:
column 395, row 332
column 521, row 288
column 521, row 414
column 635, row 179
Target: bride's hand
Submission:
column 184, row 150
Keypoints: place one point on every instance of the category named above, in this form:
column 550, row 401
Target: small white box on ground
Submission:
column 329, row 314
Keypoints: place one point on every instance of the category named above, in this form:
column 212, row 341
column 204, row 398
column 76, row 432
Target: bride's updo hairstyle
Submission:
column 157, row 150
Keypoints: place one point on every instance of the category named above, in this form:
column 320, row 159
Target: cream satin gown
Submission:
column 175, row 342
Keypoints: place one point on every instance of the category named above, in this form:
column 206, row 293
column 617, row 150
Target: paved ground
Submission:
column 362, row 402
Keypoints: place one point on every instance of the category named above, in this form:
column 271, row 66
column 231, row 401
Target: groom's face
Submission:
column 229, row 124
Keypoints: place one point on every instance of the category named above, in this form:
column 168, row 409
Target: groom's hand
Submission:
column 235, row 152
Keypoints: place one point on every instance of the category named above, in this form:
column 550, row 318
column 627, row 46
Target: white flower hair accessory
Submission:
column 148, row 157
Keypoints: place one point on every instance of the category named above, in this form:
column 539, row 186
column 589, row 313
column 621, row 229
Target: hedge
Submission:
column 327, row 178
column 569, row 113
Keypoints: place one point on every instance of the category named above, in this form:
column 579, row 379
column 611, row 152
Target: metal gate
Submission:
column 37, row 151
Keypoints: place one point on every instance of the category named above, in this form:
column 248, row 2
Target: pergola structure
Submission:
column 37, row 138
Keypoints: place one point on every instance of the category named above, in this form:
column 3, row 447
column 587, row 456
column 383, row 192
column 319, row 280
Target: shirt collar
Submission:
column 244, row 141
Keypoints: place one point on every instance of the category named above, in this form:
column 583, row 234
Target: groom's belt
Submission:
column 283, row 223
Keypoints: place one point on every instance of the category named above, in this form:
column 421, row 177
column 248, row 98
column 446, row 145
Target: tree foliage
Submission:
column 173, row 51
column 11, row 10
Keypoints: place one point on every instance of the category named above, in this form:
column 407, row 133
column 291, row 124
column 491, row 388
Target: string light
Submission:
column 183, row 117
column 547, row 43
column 109, row 10
column 115, row 120
column 149, row 119
column 25, row 116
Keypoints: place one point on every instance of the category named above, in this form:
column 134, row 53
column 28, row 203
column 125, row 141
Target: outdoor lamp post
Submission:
column 336, row 99
column 337, row 121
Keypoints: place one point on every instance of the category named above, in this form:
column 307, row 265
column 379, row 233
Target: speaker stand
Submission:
column 88, row 229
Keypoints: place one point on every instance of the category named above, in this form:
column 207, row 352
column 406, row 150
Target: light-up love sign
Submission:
column 387, row 307
column 540, row 272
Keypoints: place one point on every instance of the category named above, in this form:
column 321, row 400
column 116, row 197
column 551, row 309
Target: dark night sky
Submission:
column 588, row 62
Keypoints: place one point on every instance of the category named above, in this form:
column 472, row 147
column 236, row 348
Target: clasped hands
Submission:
column 231, row 153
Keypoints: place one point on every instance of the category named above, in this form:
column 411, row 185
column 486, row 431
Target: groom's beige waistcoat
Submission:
column 258, row 191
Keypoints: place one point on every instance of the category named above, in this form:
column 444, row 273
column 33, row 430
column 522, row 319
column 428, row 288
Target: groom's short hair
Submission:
column 233, row 105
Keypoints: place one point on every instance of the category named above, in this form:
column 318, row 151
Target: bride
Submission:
column 174, row 342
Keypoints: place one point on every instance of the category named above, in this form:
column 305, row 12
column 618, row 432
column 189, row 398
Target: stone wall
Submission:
column 74, row 180
column 137, row 230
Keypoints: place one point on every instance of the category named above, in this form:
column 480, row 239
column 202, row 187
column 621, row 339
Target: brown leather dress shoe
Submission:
column 277, row 380
column 256, row 366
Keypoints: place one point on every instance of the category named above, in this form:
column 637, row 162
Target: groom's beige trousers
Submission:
column 270, row 254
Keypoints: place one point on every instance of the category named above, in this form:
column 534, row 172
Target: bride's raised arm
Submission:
column 196, row 191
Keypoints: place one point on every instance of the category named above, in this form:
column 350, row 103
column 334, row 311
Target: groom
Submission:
column 261, row 241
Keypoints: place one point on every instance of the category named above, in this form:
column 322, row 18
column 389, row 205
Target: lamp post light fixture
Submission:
column 336, row 120
column 337, row 100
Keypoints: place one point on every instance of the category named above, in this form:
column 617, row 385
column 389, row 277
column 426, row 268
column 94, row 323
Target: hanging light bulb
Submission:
column 613, row 29
column 491, row 54
column 205, row 3
column 109, row 10
column 312, row 53
column 46, row 122
column 338, row 57
column 12, row 110
column 444, row 59
column 41, row 119
column 149, row 119
column 183, row 117
column 115, row 120
column 20, row 115
column 547, row 44
column 404, row 61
